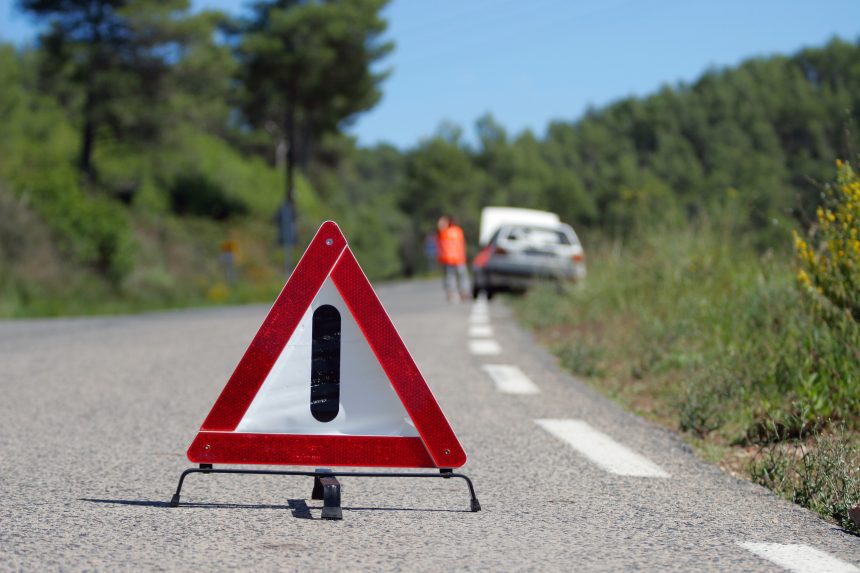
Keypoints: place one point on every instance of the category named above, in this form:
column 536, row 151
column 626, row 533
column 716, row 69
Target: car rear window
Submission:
column 537, row 236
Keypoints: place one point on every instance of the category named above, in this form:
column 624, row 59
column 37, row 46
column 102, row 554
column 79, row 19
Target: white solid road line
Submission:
column 601, row 449
column 486, row 346
column 480, row 330
column 510, row 379
column 799, row 558
column 479, row 318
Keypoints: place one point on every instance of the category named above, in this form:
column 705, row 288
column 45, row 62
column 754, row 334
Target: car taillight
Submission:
column 482, row 257
column 578, row 257
column 499, row 251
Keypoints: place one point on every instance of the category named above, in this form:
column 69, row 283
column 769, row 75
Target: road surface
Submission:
column 96, row 415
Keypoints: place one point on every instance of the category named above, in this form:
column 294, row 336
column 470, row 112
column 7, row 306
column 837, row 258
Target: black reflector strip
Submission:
column 325, row 364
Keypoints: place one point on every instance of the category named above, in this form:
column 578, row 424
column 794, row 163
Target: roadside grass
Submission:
column 177, row 265
column 701, row 332
column 819, row 472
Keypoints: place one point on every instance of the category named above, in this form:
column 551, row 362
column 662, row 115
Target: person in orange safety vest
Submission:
column 451, row 255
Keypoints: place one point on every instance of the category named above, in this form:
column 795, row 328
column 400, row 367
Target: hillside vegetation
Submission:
column 142, row 225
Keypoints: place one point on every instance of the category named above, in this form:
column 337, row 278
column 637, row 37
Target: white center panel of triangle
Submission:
column 369, row 406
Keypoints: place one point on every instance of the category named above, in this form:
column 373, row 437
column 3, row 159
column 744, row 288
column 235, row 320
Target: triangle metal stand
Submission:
column 326, row 485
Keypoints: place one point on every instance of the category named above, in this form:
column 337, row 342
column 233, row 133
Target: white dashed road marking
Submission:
column 510, row 379
column 799, row 558
column 479, row 319
column 484, row 346
column 480, row 330
column 601, row 449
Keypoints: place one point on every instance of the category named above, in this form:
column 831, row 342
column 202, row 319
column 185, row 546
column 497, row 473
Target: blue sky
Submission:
column 529, row 62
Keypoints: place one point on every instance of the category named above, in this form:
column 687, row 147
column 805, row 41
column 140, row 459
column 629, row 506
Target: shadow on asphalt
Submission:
column 149, row 503
column 299, row 508
column 141, row 502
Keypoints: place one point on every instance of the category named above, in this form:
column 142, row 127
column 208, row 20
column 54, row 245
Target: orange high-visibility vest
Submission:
column 452, row 246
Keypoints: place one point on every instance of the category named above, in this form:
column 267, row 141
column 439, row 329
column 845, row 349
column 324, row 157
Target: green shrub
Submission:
column 580, row 358
column 195, row 194
column 821, row 473
column 830, row 261
column 93, row 230
column 241, row 180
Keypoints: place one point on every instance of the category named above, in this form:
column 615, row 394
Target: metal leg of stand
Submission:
column 476, row 505
column 317, row 492
column 204, row 468
column 447, row 473
column 331, row 498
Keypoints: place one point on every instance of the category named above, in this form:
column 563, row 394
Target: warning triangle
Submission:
column 327, row 380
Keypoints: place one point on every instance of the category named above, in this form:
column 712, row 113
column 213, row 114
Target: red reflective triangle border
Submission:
column 327, row 255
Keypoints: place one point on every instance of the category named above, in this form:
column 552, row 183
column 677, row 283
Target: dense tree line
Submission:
column 131, row 108
column 750, row 146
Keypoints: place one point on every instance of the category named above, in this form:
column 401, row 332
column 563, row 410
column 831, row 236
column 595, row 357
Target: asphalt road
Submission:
column 96, row 415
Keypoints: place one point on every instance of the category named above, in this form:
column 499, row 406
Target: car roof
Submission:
column 493, row 218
